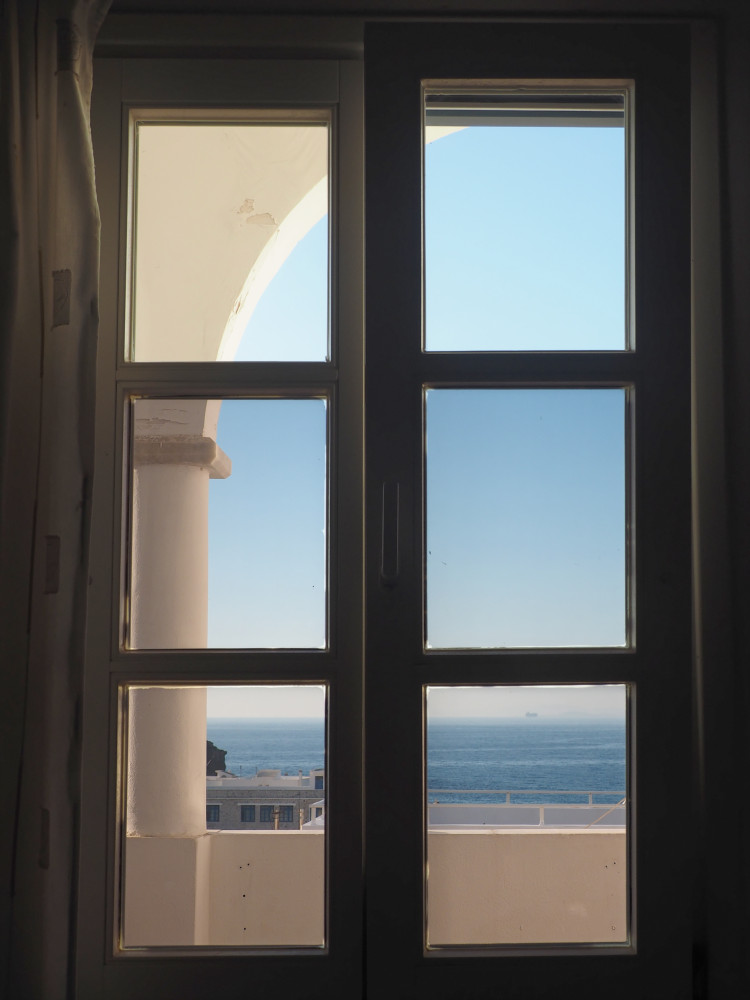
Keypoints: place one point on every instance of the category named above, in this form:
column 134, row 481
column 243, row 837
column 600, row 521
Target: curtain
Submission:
column 48, row 327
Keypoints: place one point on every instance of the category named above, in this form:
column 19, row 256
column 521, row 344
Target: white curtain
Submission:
column 49, row 232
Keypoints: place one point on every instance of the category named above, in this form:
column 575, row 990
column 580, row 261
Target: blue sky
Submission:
column 525, row 517
column 267, row 526
column 525, row 488
column 525, row 239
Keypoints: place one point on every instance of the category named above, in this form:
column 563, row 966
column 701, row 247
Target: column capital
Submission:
column 182, row 449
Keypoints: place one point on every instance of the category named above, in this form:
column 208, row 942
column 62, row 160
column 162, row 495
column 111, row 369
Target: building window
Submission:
column 213, row 813
column 247, row 814
column 270, row 814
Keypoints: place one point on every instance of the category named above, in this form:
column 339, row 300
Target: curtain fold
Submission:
column 48, row 331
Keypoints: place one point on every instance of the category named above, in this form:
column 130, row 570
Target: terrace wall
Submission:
column 486, row 885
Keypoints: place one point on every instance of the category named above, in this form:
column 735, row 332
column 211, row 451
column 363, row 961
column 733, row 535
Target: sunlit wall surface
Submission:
column 218, row 208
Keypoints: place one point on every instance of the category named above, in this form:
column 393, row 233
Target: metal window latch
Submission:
column 389, row 566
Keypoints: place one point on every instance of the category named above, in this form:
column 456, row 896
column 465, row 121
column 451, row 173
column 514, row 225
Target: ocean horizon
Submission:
column 532, row 754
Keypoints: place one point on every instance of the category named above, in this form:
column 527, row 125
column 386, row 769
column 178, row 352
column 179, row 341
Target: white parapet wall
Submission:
column 267, row 888
column 259, row 888
column 513, row 886
column 486, row 885
column 166, row 891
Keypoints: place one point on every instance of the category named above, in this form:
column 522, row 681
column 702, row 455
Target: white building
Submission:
column 269, row 800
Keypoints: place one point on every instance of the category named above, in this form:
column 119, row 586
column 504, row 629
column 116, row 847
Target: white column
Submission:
column 169, row 553
column 167, row 853
column 167, row 762
column 167, row 859
column 174, row 455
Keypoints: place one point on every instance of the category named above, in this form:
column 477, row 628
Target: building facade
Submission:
column 268, row 801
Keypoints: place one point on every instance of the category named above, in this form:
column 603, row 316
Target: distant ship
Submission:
column 532, row 715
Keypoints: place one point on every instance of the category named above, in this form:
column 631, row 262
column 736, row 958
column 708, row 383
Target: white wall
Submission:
column 488, row 886
column 225, row 888
column 505, row 886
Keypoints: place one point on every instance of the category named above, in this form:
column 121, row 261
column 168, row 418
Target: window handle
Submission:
column 389, row 535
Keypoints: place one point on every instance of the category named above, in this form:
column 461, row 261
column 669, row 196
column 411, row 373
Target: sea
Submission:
column 290, row 745
column 530, row 757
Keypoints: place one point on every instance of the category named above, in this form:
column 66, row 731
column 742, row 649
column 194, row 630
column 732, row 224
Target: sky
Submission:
column 525, row 517
column 525, row 531
column 539, row 265
column 267, row 580
column 508, row 701
column 283, row 701
column 548, row 701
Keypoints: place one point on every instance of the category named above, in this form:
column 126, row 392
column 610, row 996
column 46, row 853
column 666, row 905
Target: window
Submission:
column 484, row 583
column 274, row 813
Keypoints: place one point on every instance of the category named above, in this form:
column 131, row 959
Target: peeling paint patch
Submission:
column 266, row 219
column 256, row 219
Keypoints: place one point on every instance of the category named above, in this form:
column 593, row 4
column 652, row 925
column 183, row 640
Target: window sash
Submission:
column 399, row 59
column 122, row 85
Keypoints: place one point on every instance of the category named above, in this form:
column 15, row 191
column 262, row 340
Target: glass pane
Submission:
column 525, row 244
column 228, row 529
column 526, row 518
column 527, row 815
column 225, row 829
column 231, row 241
